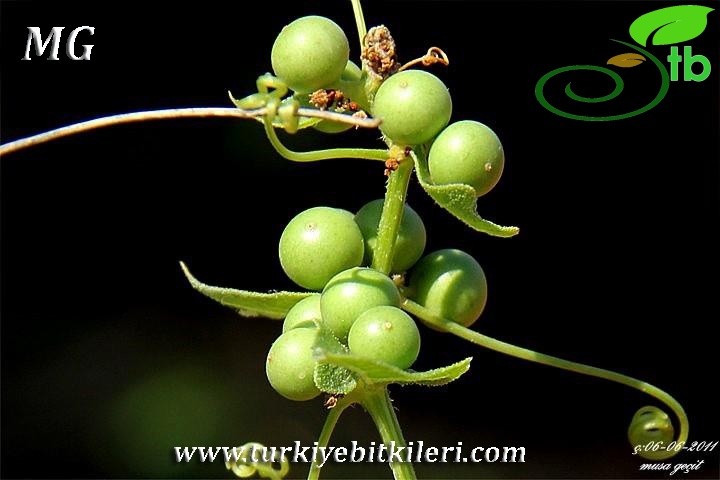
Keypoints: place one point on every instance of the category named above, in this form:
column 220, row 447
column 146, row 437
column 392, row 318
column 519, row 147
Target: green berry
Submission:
column 414, row 106
column 290, row 364
column 387, row 334
column 319, row 243
column 310, row 53
column 467, row 152
column 411, row 238
column 351, row 293
column 305, row 311
column 451, row 284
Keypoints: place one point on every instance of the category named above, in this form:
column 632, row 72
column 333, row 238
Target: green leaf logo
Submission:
column 670, row 25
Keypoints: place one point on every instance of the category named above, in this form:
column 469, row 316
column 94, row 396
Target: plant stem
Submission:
column 327, row 430
column 315, row 155
column 173, row 113
column 392, row 213
column 508, row 349
column 377, row 403
column 359, row 20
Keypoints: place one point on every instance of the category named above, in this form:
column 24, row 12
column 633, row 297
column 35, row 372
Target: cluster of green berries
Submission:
column 330, row 250
column 312, row 53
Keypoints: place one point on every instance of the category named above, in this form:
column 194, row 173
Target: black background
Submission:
column 109, row 358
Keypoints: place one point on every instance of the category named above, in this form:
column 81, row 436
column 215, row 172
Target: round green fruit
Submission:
column 414, row 106
column 411, row 239
column 387, row 334
column 351, row 293
column 467, row 152
column 290, row 364
column 451, row 284
column 304, row 312
column 310, row 53
column 319, row 243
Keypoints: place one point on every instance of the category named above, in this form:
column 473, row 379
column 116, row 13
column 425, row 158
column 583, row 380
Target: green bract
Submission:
column 386, row 334
column 413, row 105
column 290, row 364
column 410, row 242
column 351, row 293
column 304, row 312
column 467, row 152
column 310, row 53
column 451, row 284
column 318, row 243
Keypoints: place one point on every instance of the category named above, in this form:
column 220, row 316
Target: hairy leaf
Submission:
column 460, row 200
column 375, row 372
column 328, row 377
column 250, row 304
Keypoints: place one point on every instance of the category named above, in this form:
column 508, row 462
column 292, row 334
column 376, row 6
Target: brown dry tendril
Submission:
column 433, row 55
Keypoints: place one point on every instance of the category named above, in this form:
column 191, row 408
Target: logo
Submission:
column 666, row 26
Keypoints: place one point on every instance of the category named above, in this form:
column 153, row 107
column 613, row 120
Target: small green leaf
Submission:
column 375, row 372
column 671, row 24
column 328, row 377
column 461, row 201
column 250, row 304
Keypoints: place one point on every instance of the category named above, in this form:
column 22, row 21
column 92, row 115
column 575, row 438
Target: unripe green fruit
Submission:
column 451, row 284
column 414, row 107
column 387, row 334
column 310, row 53
column 290, row 364
column 352, row 292
column 306, row 310
column 319, row 243
column 467, row 152
column 411, row 238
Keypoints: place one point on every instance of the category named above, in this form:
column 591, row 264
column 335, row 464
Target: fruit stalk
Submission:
column 378, row 404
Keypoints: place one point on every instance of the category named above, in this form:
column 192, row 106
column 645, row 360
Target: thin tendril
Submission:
column 433, row 55
column 315, row 155
column 488, row 342
column 173, row 113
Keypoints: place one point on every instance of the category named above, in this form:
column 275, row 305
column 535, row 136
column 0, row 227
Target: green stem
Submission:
column 377, row 403
column 392, row 213
column 327, row 430
column 488, row 342
column 359, row 20
column 315, row 155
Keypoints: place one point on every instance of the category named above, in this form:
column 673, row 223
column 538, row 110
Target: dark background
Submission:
column 109, row 359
